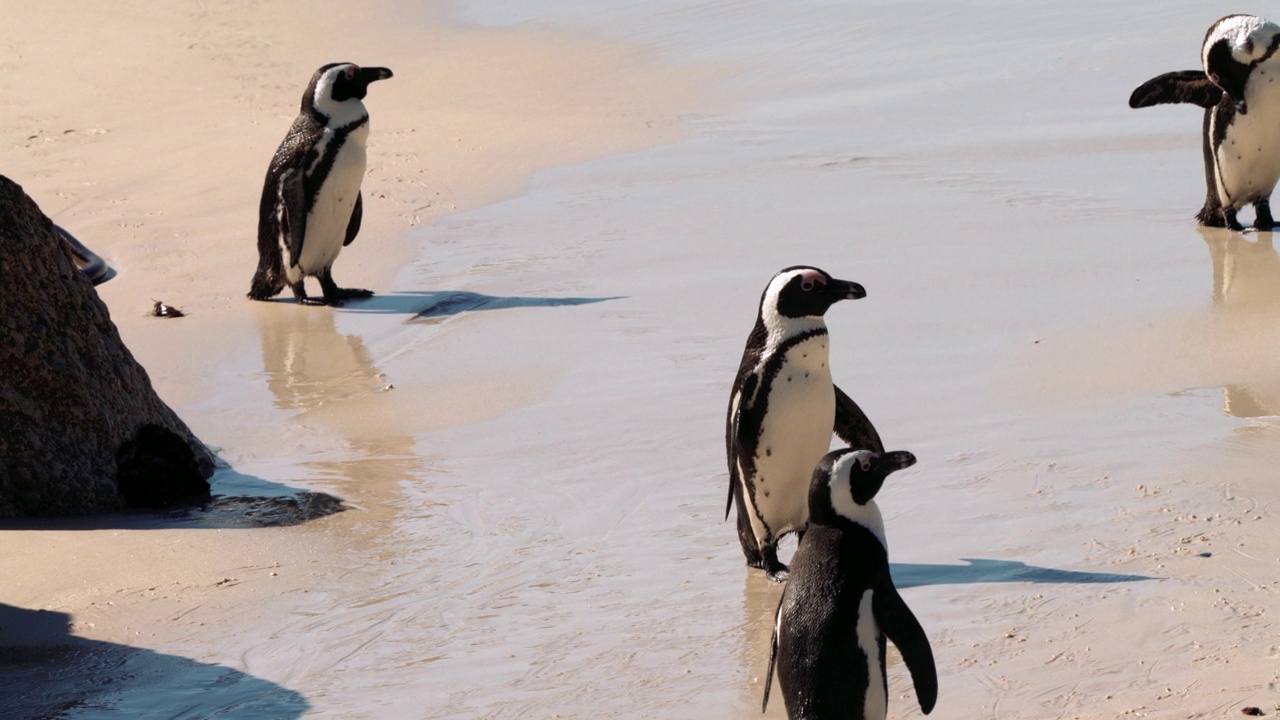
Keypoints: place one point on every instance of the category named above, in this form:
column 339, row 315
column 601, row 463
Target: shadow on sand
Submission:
column 46, row 672
column 430, row 306
column 977, row 570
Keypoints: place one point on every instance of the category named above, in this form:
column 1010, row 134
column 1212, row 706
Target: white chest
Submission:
column 329, row 216
column 876, row 704
column 1249, row 156
column 795, row 434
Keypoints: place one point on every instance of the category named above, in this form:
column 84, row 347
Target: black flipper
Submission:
column 353, row 226
column 898, row 624
column 773, row 654
column 733, row 479
column 853, row 426
column 1183, row 86
column 293, row 197
column 731, row 439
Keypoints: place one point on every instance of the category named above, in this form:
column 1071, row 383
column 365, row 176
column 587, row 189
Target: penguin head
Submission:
column 804, row 292
column 845, row 484
column 1233, row 47
column 334, row 85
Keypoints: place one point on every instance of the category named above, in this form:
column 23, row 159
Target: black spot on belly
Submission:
column 766, row 493
column 768, row 452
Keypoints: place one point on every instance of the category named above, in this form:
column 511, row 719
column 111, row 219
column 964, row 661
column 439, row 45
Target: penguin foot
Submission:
column 773, row 567
column 1216, row 216
column 1263, row 221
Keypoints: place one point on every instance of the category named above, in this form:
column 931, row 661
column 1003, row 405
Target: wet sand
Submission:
column 526, row 421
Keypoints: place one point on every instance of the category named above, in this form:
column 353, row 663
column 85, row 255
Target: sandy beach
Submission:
column 570, row 213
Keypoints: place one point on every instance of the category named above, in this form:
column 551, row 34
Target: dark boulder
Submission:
column 81, row 428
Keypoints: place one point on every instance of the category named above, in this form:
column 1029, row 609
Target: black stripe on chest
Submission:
column 320, row 172
column 1271, row 50
column 754, row 404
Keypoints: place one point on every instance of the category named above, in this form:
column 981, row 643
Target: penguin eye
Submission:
column 806, row 285
column 866, row 464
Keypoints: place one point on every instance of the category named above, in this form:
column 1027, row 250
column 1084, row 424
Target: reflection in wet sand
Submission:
column 760, row 603
column 1246, row 293
column 1246, row 274
column 309, row 363
column 327, row 376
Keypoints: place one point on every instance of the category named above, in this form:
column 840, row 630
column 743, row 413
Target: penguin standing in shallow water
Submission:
column 311, row 205
column 840, row 603
column 783, row 411
column 1239, row 88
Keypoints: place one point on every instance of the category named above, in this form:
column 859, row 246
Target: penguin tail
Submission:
column 262, row 287
column 1211, row 216
column 773, row 656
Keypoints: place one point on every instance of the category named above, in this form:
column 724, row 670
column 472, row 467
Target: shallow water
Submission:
column 1016, row 238
column 537, row 471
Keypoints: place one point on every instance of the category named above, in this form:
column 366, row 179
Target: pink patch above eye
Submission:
column 810, row 278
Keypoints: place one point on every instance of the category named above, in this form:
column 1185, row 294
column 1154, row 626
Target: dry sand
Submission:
column 537, row 484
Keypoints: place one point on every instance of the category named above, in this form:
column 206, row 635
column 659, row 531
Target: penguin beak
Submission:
column 845, row 290
column 1228, row 74
column 371, row 74
column 897, row 460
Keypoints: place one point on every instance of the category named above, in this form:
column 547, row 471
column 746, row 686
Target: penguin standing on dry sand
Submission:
column 840, row 603
column 783, row 411
column 311, row 205
column 1239, row 88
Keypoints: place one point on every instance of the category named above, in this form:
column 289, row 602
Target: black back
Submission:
column 822, row 671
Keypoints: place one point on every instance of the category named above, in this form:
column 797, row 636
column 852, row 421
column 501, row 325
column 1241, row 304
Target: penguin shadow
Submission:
column 47, row 672
column 1246, row 298
column 761, row 600
column 431, row 306
column 978, row 570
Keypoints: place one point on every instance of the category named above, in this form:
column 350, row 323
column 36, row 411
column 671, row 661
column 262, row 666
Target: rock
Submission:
column 81, row 428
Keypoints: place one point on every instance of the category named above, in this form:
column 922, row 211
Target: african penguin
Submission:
column 783, row 411
column 840, row 603
column 311, row 205
column 1239, row 91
